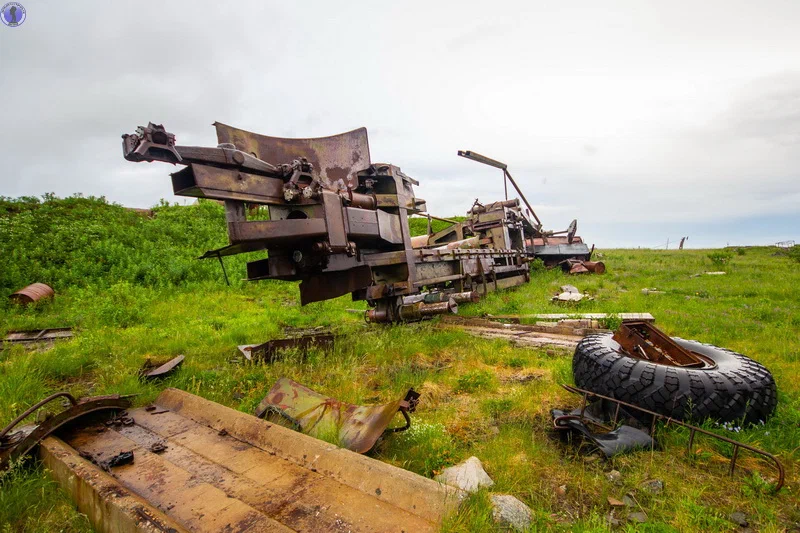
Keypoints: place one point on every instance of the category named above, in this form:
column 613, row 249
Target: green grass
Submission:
column 134, row 290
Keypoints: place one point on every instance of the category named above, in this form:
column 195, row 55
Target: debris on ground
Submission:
column 508, row 511
column 653, row 486
column 355, row 427
column 35, row 337
column 613, row 502
column 557, row 317
column 268, row 351
column 716, row 273
column 570, row 293
column 615, row 477
column 607, row 412
column 638, row 516
column 32, row 293
column 122, row 458
column 653, row 290
column 739, row 518
column 17, row 444
column 576, row 266
column 468, row 475
column 624, row 439
column 518, row 334
column 206, row 482
column 152, row 371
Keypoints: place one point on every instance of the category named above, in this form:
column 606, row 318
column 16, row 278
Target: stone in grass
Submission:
column 509, row 512
column 469, row 475
column 637, row 517
column 653, row 486
column 739, row 519
column 615, row 477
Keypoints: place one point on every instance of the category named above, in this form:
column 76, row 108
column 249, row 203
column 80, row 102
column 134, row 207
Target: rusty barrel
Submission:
column 598, row 267
column 32, row 293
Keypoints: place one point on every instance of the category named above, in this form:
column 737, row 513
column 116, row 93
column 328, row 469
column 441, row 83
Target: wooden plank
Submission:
column 625, row 317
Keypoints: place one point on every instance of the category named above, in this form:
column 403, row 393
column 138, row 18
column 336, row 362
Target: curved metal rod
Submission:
column 669, row 420
column 30, row 410
column 403, row 428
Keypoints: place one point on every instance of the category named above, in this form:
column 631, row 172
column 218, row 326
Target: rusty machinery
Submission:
column 338, row 223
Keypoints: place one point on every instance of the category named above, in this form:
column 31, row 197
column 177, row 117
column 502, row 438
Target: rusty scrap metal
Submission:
column 38, row 335
column 148, row 372
column 258, row 477
column 17, row 444
column 577, row 266
column 643, row 340
column 588, row 396
column 32, row 293
column 338, row 223
column 355, row 427
column 268, row 351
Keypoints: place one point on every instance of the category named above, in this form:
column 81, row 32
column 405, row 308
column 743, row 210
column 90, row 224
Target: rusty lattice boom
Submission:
column 339, row 223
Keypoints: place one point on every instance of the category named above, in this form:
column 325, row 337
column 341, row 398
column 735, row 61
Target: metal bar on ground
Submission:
column 586, row 394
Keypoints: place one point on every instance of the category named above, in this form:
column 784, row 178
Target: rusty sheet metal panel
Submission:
column 32, row 293
column 355, row 427
column 337, row 158
column 202, row 467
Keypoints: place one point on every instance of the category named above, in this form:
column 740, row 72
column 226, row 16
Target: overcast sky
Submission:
column 647, row 121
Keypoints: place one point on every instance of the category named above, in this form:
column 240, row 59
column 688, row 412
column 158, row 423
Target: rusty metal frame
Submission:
column 643, row 340
column 338, row 222
column 693, row 430
column 16, row 445
column 37, row 335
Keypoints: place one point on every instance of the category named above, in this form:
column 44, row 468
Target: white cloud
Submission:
column 619, row 113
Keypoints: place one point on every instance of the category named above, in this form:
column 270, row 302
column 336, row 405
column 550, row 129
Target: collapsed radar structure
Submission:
column 338, row 223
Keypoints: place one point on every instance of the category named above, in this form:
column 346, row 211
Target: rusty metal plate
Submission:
column 199, row 466
column 38, row 335
column 337, row 158
column 268, row 351
column 25, row 438
column 148, row 372
column 355, row 427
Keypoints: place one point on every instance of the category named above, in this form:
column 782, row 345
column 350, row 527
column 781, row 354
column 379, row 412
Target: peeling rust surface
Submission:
column 337, row 158
column 355, row 427
column 223, row 470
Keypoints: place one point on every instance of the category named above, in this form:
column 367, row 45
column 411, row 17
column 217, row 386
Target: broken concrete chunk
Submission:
column 570, row 288
column 510, row 512
column 468, row 475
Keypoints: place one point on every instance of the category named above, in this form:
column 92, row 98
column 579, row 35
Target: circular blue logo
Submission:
column 13, row 14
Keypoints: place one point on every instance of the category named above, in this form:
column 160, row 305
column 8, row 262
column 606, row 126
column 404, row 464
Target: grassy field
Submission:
column 134, row 290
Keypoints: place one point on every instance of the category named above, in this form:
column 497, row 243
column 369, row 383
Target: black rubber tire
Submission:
column 737, row 390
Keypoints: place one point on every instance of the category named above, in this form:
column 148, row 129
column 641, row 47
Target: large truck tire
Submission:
column 734, row 389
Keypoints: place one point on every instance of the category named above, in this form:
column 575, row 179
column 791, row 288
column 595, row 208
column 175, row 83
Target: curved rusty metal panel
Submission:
column 336, row 158
column 32, row 293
